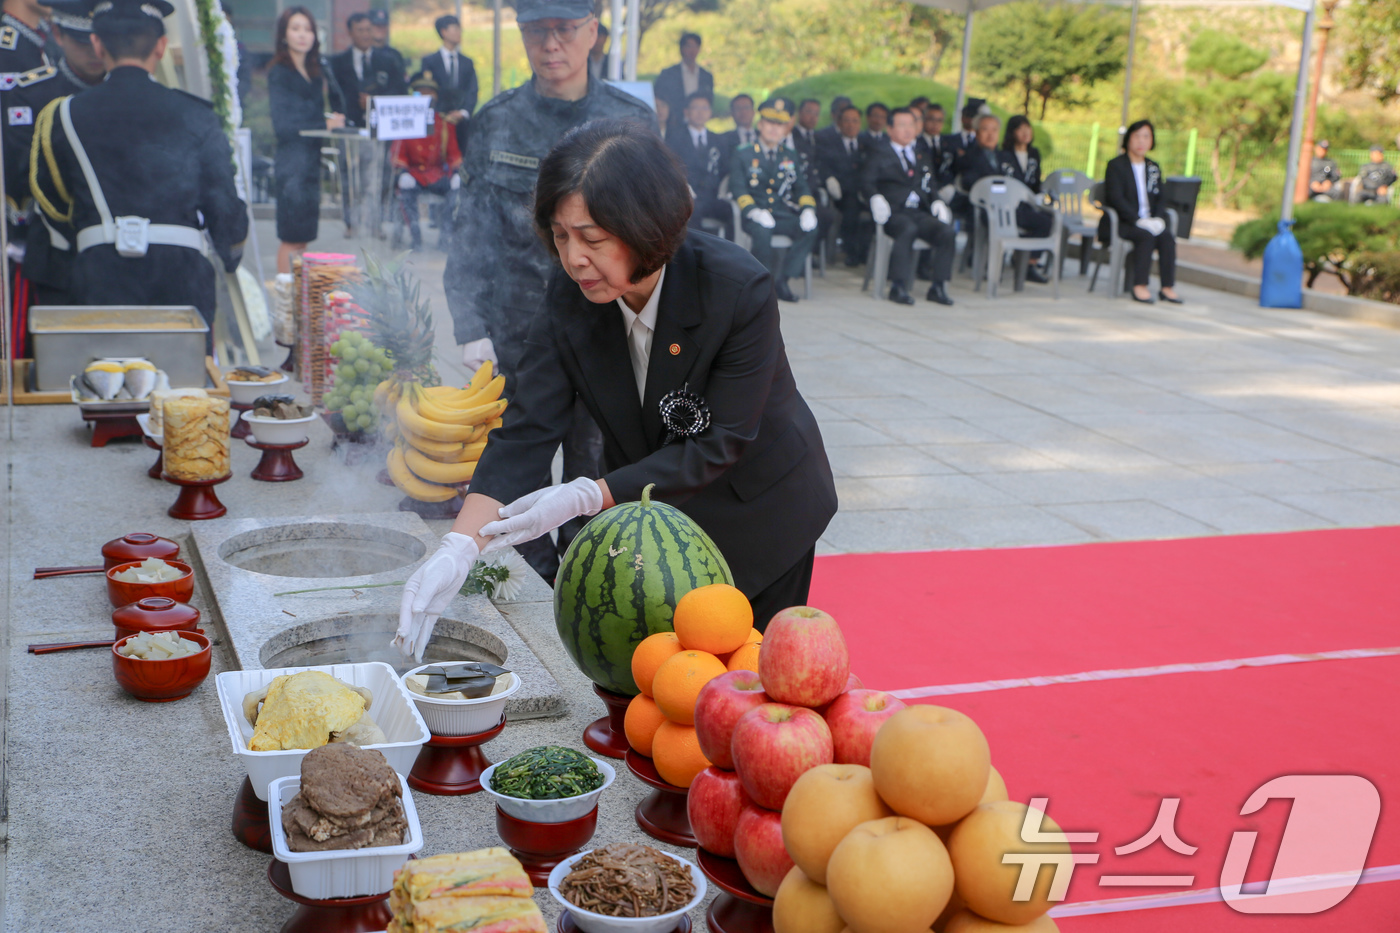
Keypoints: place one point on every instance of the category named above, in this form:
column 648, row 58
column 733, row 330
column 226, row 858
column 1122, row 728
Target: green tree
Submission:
column 1049, row 50
column 1372, row 58
column 1242, row 110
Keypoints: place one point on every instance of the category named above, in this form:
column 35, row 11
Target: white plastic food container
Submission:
column 391, row 711
column 277, row 430
column 560, row 810
column 340, row 872
column 246, row 393
column 460, row 717
column 590, row 922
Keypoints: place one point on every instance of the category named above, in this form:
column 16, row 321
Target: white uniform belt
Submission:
column 156, row 235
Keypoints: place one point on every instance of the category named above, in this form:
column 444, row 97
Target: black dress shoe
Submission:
column 784, row 293
column 1169, row 300
column 1144, row 301
column 938, row 294
column 900, row 295
column 1035, row 275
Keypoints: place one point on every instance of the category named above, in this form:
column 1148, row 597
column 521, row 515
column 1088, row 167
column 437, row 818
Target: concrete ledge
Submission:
column 1343, row 306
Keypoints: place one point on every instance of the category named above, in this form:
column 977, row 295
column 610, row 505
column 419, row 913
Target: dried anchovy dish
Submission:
column 549, row 772
column 625, row 880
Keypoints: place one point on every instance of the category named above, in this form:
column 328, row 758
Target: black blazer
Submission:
column 1120, row 193
column 1030, row 175
column 670, row 87
column 384, row 75
column 884, row 174
column 833, row 161
column 705, row 166
column 806, row 144
column 941, row 153
column 462, row 95
column 757, row 480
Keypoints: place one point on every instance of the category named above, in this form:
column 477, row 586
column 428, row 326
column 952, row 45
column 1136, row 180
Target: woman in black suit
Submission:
column 641, row 310
column 298, row 85
column 1019, row 151
column 1133, row 191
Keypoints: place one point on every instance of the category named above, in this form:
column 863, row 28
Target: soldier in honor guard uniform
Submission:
column 24, row 41
column 143, row 172
column 498, row 269
column 48, row 253
column 769, row 183
column 902, row 188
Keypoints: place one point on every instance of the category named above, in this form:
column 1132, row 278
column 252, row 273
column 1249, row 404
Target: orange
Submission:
column 754, row 635
column 745, row 659
column 643, row 719
column 650, row 654
column 677, row 755
column 715, row 618
column 678, row 682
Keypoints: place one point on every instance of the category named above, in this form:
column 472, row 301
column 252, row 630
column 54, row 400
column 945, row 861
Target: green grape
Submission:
column 336, row 348
column 349, row 353
column 362, row 366
column 376, row 372
column 365, row 421
column 333, row 402
column 344, row 373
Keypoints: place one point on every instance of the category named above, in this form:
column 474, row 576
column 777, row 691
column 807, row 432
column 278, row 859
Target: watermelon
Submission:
column 620, row 580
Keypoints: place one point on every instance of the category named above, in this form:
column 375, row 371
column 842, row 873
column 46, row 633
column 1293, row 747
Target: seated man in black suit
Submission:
column 675, row 84
column 984, row 159
column 804, row 140
column 877, row 117
column 899, row 183
column 455, row 76
column 838, row 163
column 831, row 132
column 743, row 134
column 940, row 148
column 705, row 161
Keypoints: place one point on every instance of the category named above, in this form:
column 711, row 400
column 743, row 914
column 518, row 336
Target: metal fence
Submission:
column 1088, row 147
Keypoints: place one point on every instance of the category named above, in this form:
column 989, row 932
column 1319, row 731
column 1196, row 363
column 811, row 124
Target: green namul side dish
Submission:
column 548, row 772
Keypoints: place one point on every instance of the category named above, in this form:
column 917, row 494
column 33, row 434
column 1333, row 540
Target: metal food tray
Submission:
column 66, row 338
column 116, row 406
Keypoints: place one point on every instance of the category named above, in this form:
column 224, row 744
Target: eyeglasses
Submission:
column 565, row 32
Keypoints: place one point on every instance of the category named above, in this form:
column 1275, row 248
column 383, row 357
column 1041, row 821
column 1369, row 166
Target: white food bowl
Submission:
column 246, row 393
column 460, row 717
column 277, row 430
column 590, row 922
column 391, row 711
column 340, row 872
column 560, row 810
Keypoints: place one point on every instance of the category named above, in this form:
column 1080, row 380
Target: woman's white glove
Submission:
column 456, row 182
column 833, row 188
column 763, row 217
column 940, row 211
column 477, row 352
column 807, row 220
column 407, row 182
column 542, row 511
column 428, row 592
column 1153, row 225
column 879, row 209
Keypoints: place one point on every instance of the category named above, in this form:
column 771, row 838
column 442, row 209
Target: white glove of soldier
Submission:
column 940, row 210
column 946, row 193
column 407, row 182
column 428, row 592
column 912, row 200
column 807, row 220
column 1153, row 225
column 456, row 181
column 542, row 511
column 879, row 209
column 478, row 352
column 763, row 217
column 833, row 188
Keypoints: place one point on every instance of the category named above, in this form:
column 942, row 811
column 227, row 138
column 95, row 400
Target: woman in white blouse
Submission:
column 1133, row 190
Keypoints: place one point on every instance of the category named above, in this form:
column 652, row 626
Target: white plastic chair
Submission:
column 1070, row 189
column 998, row 196
column 779, row 242
column 1117, row 248
column 877, row 268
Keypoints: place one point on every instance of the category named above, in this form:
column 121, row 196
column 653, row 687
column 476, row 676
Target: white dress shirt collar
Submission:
column 640, row 326
column 697, row 136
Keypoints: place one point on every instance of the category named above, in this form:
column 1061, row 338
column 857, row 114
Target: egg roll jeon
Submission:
column 486, row 914
column 463, row 874
column 301, row 711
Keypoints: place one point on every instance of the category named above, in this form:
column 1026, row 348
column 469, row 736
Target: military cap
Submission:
column 72, row 15
column 1324, row 144
column 527, row 11
column 132, row 9
column 1378, row 149
column 423, row 83
column 379, row 17
column 778, row 109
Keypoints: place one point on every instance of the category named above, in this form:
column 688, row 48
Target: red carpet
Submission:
column 1106, row 753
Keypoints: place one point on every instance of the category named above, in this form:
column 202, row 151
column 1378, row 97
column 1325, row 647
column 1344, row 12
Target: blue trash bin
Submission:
column 1282, row 286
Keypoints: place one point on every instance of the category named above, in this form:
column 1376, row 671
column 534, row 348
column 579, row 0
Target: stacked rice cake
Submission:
column 195, row 438
column 486, row 891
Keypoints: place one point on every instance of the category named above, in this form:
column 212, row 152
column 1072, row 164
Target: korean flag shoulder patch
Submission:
column 19, row 116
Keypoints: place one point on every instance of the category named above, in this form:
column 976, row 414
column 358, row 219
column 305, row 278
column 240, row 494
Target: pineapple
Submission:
column 401, row 321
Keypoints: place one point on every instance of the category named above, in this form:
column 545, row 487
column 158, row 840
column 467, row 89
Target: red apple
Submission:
column 852, row 683
column 773, row 746
column 758, row 846
column 715, row 799
column 718, row 707
column 804, row 660
column 854, row 718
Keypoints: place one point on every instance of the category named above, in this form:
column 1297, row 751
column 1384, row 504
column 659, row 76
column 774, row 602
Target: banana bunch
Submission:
column 439, row 432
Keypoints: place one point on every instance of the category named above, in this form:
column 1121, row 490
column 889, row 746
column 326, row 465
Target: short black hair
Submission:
column 690, row 98
column 847, row 108
column 898, row 110
column 971, row 110
column 442, row 22
column 129, row 37
column 839, row 104
column 876, row 106
column 934, row 105
column 738, row 97
column 920, row 100
column 1134, row 127
column 353, row 19
column 688, row 36
column 808, row 100
column 633, row 184
column 1008, row 137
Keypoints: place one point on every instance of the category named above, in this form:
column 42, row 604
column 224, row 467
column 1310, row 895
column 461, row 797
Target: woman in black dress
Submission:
column 1133, row 190
column 298, row 85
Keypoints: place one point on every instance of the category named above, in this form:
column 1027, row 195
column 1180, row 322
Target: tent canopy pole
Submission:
column 1128, row 70
column 496, row 50
column 634, row 36
column 615, row 43
column 962, row 72
column 1295, row 133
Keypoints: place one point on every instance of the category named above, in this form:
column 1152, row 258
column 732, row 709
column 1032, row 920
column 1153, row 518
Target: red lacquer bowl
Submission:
column 137, row 546
column 162, row 681
column 155, row 614
column 122, row 594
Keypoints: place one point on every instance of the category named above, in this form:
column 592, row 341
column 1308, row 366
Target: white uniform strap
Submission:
column 109, row 228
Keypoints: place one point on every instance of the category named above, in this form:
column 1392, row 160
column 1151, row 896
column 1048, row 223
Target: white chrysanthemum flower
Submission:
column 516, row 568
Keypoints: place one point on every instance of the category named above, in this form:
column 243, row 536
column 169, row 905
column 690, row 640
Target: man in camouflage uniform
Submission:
column 498, row 269
column 769, row 183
